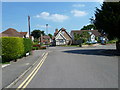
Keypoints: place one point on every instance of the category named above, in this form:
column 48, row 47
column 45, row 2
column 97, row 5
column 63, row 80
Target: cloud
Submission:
column 78, row 5
column 78, row 13
column 42, row 26
column 52, row 17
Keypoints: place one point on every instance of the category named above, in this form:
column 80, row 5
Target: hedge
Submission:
column 12, row 48
column 27, row 45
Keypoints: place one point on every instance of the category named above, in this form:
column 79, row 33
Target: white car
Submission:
column 92, row 42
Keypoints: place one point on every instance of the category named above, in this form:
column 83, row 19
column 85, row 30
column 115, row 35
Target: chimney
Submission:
column 56, row 30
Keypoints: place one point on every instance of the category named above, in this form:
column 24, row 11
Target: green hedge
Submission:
column 27, row 45
column 12, row 48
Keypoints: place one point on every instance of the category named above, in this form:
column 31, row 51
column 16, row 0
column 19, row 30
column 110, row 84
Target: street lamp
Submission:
column 47, row 29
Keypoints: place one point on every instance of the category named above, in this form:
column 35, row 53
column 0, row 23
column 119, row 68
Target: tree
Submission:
column 89, row 27
column 83, row 36
column 107, row 19
column 37, row 33
column 50, row 35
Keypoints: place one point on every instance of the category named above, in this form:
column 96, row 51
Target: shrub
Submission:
column 43, row 47
column 34, row 48
column 27, row 45
column 12, row 48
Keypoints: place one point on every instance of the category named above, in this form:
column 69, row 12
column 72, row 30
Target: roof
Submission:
column 62, row 29
column 45, row 37
column 23, row 33
column 11, row 33
column 95, row 32
column 3, row 35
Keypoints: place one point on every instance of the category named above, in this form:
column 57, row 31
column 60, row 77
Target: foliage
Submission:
column 36, row 40
column 34, row 48
column 37, row 33
column 27, row 45
column 12, row 48
column 89, row 27
column 50, row 35
column 84, row 36
column 112, row 41
column 107, row 19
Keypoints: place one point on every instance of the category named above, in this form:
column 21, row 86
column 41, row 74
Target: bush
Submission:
column 112, row 41
column 34, row 48
column 12, row 48
column 27, row 45
column 43, row 47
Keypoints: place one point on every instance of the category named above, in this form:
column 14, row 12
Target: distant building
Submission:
column 93, row 35
column 10, row 32
column 61, row 37
column 45, row 39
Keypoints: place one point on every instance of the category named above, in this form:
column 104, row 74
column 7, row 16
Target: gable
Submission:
column 60, row 36
column 66, row 35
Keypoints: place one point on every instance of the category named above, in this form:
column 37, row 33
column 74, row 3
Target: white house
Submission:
column 61, row 37
column 26, row 35
column 91, row 39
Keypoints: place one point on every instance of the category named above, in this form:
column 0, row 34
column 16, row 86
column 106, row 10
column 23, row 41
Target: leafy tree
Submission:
column 50, row 35
column 37, row 33
column 107, row 19
column 83, row 36
column 43, row 33
column 89, row 27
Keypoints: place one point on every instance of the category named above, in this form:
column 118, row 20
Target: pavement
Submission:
column 12, row 71
column 73, row 67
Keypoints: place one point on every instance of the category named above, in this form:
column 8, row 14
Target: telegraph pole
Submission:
column 29, row 25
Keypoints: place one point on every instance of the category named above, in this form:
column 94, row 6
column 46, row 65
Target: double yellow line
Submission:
column 32, row 74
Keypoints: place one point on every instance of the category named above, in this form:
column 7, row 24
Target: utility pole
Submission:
column 29, row 25
column 47, row 29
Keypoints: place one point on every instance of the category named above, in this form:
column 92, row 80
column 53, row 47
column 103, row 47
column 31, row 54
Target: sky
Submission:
column 69, row 15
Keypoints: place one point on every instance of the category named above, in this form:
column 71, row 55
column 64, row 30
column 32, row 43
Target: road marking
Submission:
column 43, row 54
column 32, row 74
column 27, row 63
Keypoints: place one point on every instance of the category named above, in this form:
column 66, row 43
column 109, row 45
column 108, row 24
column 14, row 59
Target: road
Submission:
column 68, row 67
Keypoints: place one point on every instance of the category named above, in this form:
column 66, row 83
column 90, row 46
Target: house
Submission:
column 10, row 32
column 93, row 35
column 45, row 39
column 26, row 35
column 61, row 37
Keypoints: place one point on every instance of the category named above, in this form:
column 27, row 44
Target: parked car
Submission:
column 91, row 42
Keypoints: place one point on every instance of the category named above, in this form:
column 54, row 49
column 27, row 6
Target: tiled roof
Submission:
column 12, row 33
column 45, row 37
column 62, row 29
column 95, row 32
column 23, row 33
column 4, row 35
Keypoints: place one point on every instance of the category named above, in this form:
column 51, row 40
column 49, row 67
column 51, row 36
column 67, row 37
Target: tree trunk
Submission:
column 118, row 45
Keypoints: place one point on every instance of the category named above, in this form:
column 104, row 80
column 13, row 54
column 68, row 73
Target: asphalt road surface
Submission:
column 67, row 67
